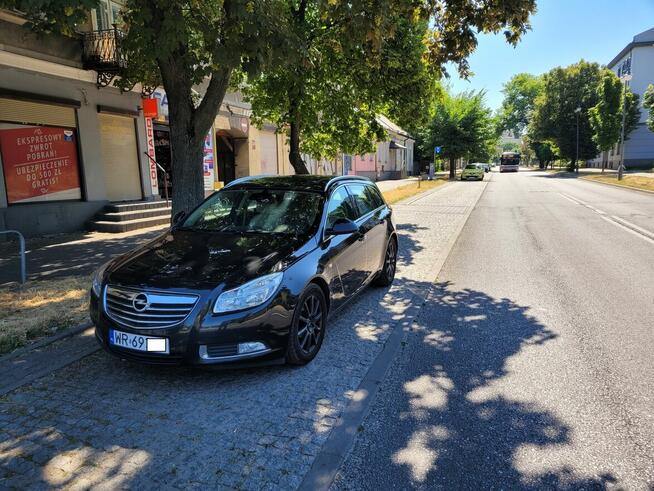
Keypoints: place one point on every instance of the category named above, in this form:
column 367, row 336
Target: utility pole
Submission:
column 577, row 112
column 624, row 79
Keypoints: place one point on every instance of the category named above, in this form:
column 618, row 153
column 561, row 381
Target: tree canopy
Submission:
column 606, row 116
column 520, row 95
column 648, row 103
column 182, row 44
column 462, row 125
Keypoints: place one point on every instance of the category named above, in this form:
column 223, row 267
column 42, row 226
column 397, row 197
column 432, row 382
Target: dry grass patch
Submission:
column 41, row 308
column 403, row 192
column 637, row 182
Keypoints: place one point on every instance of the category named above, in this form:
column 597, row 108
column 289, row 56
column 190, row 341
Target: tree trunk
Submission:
column 189, row 126
column 294, row 155
column 452, row 168
column 187, row 169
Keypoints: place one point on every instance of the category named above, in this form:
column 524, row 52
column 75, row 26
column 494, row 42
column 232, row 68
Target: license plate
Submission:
column 137, row 342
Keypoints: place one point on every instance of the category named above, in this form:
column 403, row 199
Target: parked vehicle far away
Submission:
column 473, row 171
column 510, row 162
column 486, row 167
column 250, row 276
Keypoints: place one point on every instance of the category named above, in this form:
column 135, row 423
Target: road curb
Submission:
column 46, row 341
column 342, row 438
column 620, row 186
column 28, row 364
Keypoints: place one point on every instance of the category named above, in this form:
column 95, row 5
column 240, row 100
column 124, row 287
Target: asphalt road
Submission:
column 532, row 364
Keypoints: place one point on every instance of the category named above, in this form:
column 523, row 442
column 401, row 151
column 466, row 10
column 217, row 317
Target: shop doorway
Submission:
column 163, row 156
column 225, row 158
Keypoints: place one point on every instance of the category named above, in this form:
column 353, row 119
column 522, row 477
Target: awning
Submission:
column 394, row 146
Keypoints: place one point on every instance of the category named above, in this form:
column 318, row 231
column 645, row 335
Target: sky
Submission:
column 562, row 32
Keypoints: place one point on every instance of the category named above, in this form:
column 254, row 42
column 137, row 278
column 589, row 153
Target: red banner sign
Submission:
column 150, row 108
column 152, row 163
column 40, row 164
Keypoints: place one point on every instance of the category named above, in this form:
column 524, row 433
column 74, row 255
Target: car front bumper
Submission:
column 205, row 338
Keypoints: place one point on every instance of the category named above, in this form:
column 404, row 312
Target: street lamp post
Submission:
column 624, row 79
column 577, row 112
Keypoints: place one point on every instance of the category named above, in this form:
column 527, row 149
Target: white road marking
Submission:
column 617, row 221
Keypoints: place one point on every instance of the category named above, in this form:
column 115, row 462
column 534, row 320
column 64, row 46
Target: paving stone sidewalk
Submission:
column 105, row 424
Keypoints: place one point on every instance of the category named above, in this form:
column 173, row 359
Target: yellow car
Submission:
column 473, row 171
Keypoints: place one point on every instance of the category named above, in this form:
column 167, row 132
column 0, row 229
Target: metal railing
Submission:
column 23, row 262
column 102, row 50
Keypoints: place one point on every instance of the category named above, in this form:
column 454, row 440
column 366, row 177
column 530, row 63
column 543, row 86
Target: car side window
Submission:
column 374, row 196
column 340, row 207
column 365, row 198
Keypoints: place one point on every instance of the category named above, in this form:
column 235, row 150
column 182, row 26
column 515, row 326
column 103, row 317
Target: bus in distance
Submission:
column 510, row 162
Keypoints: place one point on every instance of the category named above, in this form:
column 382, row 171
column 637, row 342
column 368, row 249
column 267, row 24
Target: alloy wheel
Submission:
column 390, row 260
column 310, row 324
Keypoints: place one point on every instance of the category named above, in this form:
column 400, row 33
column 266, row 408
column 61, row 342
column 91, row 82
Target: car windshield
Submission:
column 265, row 211
column 510, row 161
column 471, row 166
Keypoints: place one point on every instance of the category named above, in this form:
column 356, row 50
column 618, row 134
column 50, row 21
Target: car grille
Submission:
column 147, row 310
column 220, row 350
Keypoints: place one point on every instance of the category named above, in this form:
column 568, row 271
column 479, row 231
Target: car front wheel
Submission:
column 308, row 326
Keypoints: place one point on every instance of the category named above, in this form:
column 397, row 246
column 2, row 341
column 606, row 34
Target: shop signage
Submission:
column 150, row 108
column 208, row 162
column 162, row 97
column 40, row 164
column 152, row 162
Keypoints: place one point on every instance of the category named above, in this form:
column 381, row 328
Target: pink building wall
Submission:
column 363, row 163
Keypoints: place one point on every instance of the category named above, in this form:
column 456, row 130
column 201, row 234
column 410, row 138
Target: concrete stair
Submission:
column 126, row 217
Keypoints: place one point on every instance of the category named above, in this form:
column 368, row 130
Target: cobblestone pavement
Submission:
column 108, row 424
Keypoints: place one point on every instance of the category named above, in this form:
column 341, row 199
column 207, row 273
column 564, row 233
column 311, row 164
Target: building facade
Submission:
column 67, row 147
column 637, row 60
column 75, row 150
column 393, row 158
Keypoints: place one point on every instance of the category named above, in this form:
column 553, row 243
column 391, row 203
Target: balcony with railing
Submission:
column 102, row 52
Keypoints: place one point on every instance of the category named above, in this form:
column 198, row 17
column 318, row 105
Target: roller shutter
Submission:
column 268, row 152
column 120, row 157
column 16, row 111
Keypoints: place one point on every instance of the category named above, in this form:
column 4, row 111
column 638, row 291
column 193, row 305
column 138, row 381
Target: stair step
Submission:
column 134, row 206
column 128, row 225
column 124, row 216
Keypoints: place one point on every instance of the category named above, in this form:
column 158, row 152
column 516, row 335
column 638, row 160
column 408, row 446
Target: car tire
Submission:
column 387, row 274
column 307, row 327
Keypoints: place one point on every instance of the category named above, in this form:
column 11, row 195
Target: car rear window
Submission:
column 471, row 166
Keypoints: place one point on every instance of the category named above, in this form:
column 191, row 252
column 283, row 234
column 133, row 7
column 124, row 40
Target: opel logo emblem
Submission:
column 140, row 302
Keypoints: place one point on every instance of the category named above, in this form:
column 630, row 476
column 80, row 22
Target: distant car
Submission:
column 473, row 171
column 487, row 167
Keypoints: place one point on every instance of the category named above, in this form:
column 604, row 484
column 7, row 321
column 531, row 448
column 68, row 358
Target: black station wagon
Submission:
column 250, row 276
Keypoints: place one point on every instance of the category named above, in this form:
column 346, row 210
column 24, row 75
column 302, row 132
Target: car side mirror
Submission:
column 343, row 226
column 178, row 217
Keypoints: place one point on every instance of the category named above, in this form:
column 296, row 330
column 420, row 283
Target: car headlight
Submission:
column 96, row 284
column 250, row 294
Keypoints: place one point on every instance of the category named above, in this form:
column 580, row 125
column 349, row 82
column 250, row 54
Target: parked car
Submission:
column 472, row 171
column 487, row 167
column 250, row 275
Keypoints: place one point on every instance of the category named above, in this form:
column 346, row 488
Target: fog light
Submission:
column 250, row 347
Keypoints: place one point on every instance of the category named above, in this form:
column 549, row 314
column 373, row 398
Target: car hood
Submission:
column 192, row 260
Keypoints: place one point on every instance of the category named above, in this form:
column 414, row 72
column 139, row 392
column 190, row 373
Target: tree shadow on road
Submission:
column 453, row 427
column 409, row 247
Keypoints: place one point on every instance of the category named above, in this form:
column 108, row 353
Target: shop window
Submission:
column 39, row 163
column 107, row 14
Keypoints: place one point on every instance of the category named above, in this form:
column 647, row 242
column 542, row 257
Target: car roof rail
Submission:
column 338, row 179
column 240, row 180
